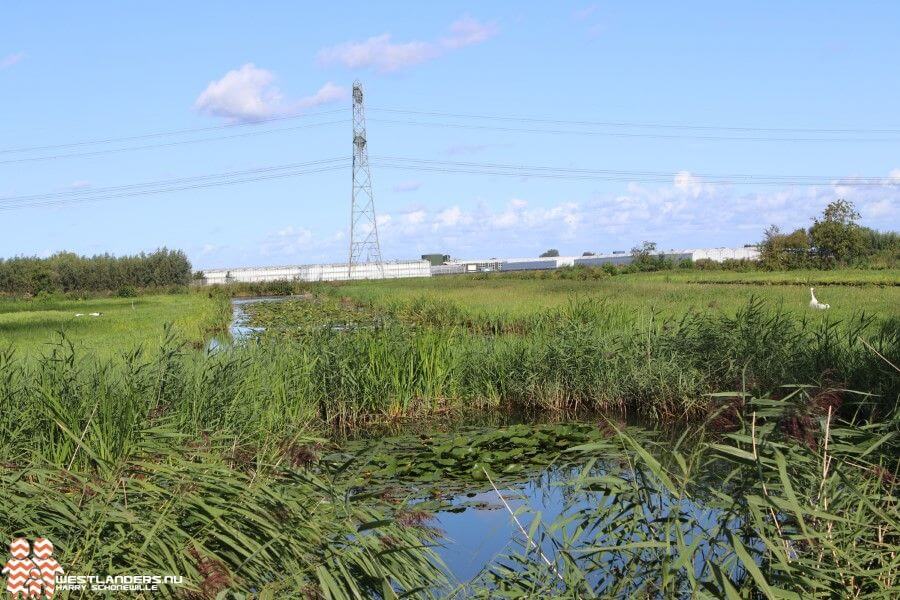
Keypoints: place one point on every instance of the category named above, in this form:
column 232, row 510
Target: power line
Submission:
column 412, row 164
column 168, row 144
column 178, row 180
column 613, row 178
column 172, row 185
column 504, row 118
column 226, row 178
column 621, row 134
column 668, row 175
column 143, row 136
column 630, row 124
column 166, row 190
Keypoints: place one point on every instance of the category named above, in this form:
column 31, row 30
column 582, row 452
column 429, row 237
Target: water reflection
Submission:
column 238, row 328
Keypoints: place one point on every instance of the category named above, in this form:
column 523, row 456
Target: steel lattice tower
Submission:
column 364, row 247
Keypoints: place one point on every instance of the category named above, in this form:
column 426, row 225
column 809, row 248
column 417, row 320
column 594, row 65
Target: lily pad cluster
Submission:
column 446, row 463
column 294, row 318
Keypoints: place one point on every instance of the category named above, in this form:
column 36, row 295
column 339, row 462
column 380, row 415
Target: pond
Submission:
column 447, row 471
column 481, row 486
column 238, row 329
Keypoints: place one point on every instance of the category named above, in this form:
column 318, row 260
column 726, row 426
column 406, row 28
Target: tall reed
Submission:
column 789, row 502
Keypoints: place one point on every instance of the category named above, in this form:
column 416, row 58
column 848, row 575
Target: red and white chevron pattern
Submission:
column 43, row 553
column 19, row 568
column 31, row 577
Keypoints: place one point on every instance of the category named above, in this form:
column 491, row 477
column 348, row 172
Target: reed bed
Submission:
column 775, row 499
column 167, row 459
column 426, row 355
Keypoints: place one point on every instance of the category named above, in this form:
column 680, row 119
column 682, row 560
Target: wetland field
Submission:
column 658, row 435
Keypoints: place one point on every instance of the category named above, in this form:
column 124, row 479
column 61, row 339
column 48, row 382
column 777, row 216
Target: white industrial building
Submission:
column 615, row 258
column 324, row 272
column 421, row 268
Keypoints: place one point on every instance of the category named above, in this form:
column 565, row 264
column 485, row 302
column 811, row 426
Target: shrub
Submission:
column 67, row 272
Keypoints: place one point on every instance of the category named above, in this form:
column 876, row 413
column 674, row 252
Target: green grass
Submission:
column 804, row 277
column 29, row 325
column 667, row 293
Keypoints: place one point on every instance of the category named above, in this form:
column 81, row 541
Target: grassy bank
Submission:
column 29, row 325
column 667, row 293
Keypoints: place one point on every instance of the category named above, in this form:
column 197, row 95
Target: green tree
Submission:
column 646, row 258
column 784, row 250
column 836, row 236
column 67, row 272
column 550, row 253
column 645, row 250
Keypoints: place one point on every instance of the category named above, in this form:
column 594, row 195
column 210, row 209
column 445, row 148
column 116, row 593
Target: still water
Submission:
column 477, row 527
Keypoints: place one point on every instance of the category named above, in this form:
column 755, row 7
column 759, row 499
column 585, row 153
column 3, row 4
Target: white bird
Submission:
column 79, row 314
column 813, row 303
column 95, row 314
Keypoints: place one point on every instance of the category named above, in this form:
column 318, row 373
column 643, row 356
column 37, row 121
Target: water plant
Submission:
column 788, row 513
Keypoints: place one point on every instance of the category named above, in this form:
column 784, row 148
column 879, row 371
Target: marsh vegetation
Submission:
column 698, row 439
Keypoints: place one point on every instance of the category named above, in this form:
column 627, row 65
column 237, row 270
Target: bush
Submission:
column 67, row 272
column 835, row 239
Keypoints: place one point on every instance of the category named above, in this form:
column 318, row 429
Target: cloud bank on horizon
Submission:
column 696, row 209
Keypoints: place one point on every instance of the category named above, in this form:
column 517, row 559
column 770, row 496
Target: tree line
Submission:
column 68, row 272
column 834, row 239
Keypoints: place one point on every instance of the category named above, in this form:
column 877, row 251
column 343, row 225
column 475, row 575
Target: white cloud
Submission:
column 382, row 54
column 288, row 242
column 583, row 13
column 881, row 208
column 687, row 212
column 378, row 52
column 894, row 176
column 11, row 59
column 328, row 93
column 250, row 94
column 244, row 94
column 415, row 217
column 468, row 31
column 689, row 183
column 450, row 217
column 407, row 186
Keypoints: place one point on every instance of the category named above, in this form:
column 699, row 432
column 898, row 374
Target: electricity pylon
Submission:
column 364, row 247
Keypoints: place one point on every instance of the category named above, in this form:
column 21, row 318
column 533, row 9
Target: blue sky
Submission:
column 71, row 72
